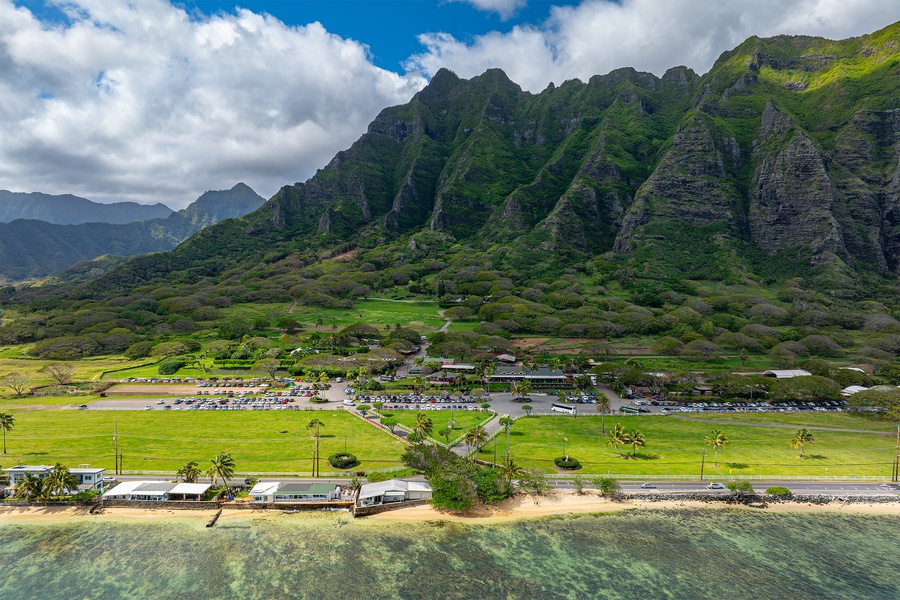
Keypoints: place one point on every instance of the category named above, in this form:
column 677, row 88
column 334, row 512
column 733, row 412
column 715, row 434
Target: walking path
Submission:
column 447, row 321
column 745, row 424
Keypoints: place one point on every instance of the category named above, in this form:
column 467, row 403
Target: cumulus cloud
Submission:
column 504, row 8
column 598, row 36
column 143, row 101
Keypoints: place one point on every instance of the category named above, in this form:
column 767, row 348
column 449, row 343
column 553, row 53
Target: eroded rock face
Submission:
column 690, row 184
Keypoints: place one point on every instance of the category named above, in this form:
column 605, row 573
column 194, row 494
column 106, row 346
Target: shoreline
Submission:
column 518, row 507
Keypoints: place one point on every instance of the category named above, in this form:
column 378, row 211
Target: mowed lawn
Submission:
column 803, row 419
column 674, row 447
column 421, row 316
column 259, row 441
column 465, row 420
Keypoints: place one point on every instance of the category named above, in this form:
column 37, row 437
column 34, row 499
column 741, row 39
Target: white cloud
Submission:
column 140, row 101
column 598, row 36
column 504, row 8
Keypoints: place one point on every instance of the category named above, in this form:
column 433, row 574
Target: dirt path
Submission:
column 447, row 321
column 745, row 424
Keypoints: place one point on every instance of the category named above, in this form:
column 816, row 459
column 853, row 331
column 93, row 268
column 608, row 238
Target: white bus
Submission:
column 563, row 408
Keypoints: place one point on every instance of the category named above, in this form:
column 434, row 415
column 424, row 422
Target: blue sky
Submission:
column 161, row 100
column 391, row 27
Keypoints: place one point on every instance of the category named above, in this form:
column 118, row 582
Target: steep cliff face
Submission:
column 789, row 146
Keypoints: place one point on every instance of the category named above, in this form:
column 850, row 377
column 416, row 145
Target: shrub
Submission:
column 779, row 491
column 318, row 400
column 170, row 366
column 567, row 462
column 606, row 485
column 376, row 477
column 342, row 461
column 740, row 486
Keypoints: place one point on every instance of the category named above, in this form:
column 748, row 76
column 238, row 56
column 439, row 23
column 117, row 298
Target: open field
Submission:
column 86, row 369
column 259, row 441
column 378, row 313
column 803, row 419
column 674, row 447
column 465, row 420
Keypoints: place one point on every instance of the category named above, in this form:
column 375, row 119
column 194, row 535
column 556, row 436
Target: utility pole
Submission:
column 702, row 463
column 896, row 473
column 116, row 440
column 495, row 449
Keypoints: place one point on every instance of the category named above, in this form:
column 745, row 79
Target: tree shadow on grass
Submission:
column 737, row 465
column 514, row 433
column 642, row 456
column 814, row 457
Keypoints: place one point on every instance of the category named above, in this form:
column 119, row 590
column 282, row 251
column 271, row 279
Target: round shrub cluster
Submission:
column 342, row 461
column 567, row 463
column 779, row 491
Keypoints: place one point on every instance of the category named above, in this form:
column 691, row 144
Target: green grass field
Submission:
column 674, row 447
column 806, row 419
column 421, row 316
column 263, row 441
column 465, row 420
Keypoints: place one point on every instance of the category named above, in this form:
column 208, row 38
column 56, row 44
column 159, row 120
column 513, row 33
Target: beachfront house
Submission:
column 270, row 492
column 88, row 479
column 393, row 490
column 157, row 491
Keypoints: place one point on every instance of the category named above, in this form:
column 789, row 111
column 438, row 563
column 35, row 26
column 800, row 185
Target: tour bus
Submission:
column 563, row 408
column 630, row 410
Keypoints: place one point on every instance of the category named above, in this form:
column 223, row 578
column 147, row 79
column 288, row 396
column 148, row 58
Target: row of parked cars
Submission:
column 784, row 407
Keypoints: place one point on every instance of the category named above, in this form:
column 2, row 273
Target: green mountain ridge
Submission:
column 761, row 194
column 32, row 248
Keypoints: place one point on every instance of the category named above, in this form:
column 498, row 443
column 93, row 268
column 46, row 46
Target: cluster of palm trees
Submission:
column 58, row 483
column 220, row 467
column 620, row 437
column 520, row 389
column 475, row 438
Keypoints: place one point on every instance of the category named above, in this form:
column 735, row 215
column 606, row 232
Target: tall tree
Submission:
column 17, row 382
column 190, row 472
column 603, row 407
column 616, row 438
column 60, row 482
column 475, row 438
column 61, row 373
column 635, row 439
column 423, row 427
column 801, row 437
column 717, row 439
column 31, row 488
column 7, row 422
column 221, row 467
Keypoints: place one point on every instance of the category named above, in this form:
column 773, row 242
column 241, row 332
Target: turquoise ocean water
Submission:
column 634, row 554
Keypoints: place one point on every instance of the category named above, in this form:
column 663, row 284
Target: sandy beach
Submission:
column 564, row 503
column 523, row 506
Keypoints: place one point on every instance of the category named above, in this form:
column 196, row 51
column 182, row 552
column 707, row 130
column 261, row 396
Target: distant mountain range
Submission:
column 32, row 248
column 73, row 210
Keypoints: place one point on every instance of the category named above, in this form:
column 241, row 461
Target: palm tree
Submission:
column 476, row 437
column 221, row 466
column 617, row 437
column 717, row 439
column 60, row 482
column 423, row 427
column 635, row 438
column 510, row 469
column 801, row 438
column 7, row 422
column 30, row 487
column 487, row 371
column 189, row 472
column 603, row 408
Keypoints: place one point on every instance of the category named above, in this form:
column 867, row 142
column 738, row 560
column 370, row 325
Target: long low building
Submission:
column 157, row 491
column 272, row 492
column 393, row 490
column 87, row 478
column 509, row 373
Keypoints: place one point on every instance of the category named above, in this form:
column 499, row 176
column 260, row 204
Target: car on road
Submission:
column 160, row 401
column 715, row 486
column 82, row 407
column 109, row 479
column 148, row 407
column 648, row 486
